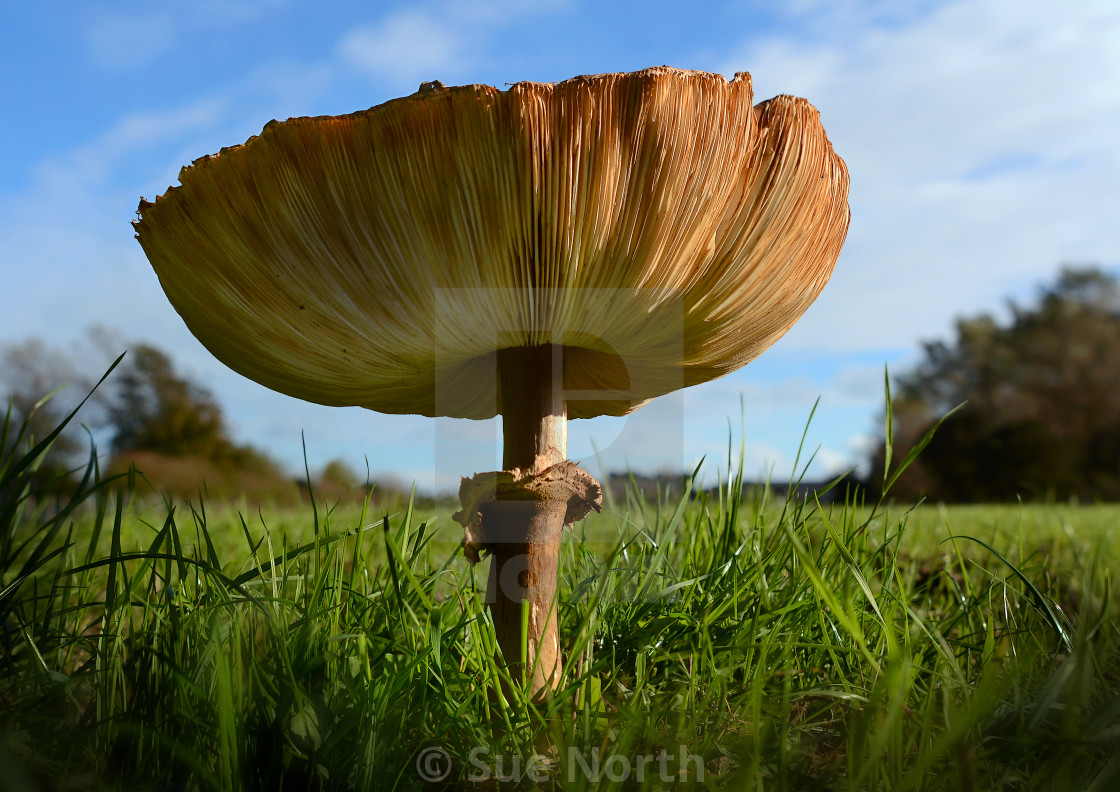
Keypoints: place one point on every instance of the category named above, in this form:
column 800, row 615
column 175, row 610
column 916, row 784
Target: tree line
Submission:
column 1033, row 405
column 157, row 420
column 1035, row 401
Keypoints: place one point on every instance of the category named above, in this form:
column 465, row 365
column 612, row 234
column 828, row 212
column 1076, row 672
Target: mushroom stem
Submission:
column 534, row 415
column 517, row 515
column 526, row 552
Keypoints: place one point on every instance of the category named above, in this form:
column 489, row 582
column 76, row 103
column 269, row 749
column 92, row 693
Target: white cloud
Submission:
column 90, row 164
column 435, row 41
column 852, row 387
column 981, row 141
column 119, row 41
column 406, row 48
column 74, row 260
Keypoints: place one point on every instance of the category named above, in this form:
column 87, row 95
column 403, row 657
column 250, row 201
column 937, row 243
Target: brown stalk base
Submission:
column 518, row 519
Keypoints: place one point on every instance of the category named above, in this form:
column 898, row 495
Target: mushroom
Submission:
column 547, row 252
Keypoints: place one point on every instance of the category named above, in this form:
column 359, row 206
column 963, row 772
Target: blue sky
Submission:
column 980, row 137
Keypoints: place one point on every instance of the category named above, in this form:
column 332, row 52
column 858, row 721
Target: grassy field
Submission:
column 717, row 642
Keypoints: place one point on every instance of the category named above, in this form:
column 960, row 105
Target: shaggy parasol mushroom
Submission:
column 547, row 252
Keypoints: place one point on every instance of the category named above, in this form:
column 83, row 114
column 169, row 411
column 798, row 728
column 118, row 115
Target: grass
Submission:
column 718, row 641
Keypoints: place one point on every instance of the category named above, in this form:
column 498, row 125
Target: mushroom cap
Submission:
column 657, row 226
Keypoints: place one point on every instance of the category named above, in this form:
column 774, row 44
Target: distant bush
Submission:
column 190, row 475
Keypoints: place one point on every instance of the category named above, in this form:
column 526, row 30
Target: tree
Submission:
column 155, row 409
column 168, row 426
column 338, row 481
column 174, row 431
column 1042, row 401
column 29, row 373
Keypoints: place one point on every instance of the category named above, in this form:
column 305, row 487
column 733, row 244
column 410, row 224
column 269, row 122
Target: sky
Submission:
column 980, row 137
